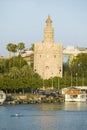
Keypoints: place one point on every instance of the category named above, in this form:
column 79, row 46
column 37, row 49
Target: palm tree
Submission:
column 14, row 48
column 32, row 47
column 27, row 71
column 9, row 48
column 14, row 72
column 4, row 65
column 20, row 47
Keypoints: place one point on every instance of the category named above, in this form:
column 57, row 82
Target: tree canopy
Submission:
column 79, row 65
column 16, row 74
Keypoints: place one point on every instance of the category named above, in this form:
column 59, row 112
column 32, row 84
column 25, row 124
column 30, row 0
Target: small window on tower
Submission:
column 35, row 70
column 40, row 56
column 47, row 67
column 54, row 56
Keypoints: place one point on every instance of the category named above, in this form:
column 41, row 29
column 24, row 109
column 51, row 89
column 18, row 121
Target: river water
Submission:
column 63, row 116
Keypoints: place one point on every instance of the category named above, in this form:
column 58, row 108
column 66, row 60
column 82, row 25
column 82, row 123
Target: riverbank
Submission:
column 29, row 98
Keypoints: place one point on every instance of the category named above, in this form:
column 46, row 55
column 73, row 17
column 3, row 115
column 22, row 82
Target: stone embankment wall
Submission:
column 31, row 98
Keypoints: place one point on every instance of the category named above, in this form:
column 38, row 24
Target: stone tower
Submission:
column 48, row 55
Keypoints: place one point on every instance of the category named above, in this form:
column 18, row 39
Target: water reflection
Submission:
column 64, row 106
column 75, row 106
column 51, row 107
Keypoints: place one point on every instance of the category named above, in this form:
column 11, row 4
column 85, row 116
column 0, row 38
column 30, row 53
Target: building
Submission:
column 48, row 55
column 28, row 56
column 70, row 52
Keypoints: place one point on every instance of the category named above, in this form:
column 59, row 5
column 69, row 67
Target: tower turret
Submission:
column 48, row 32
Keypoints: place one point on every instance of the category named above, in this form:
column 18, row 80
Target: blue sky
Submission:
column 24, row 21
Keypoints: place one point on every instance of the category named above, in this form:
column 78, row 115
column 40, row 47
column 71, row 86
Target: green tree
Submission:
column 4, row 65
column 14, row 48
column 20, row 47
column 14, row 72
column 16, row 63
column 9, row 48
column 79, row 65
column 32, row 47
column 27, row 71
column 79, row 68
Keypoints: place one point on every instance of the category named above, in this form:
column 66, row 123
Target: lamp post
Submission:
column 76, row 80
column 59, row 70
column 65, row 79
column 58, row 84
column 43, row 82
column 83, row 79
column 82, row 75
column 71, row 79
column 52, row 80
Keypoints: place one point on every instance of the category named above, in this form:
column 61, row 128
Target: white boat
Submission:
column 2, row 97
column 76, row 94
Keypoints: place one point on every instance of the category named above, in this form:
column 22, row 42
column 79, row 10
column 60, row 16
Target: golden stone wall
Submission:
column 48, row 55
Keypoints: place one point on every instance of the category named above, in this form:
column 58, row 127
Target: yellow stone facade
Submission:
column 48, row 55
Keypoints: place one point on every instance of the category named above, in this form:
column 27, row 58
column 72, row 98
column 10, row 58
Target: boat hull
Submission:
column 76, row 94
column 2, row 97
column 76, row 98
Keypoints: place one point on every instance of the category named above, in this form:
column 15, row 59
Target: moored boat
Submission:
column 76, row 94
column 2, row 97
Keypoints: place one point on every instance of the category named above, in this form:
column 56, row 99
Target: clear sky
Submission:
column 24, row 21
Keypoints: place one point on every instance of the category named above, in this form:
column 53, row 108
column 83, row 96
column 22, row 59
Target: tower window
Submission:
column 47, row 67
column 54, row 56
